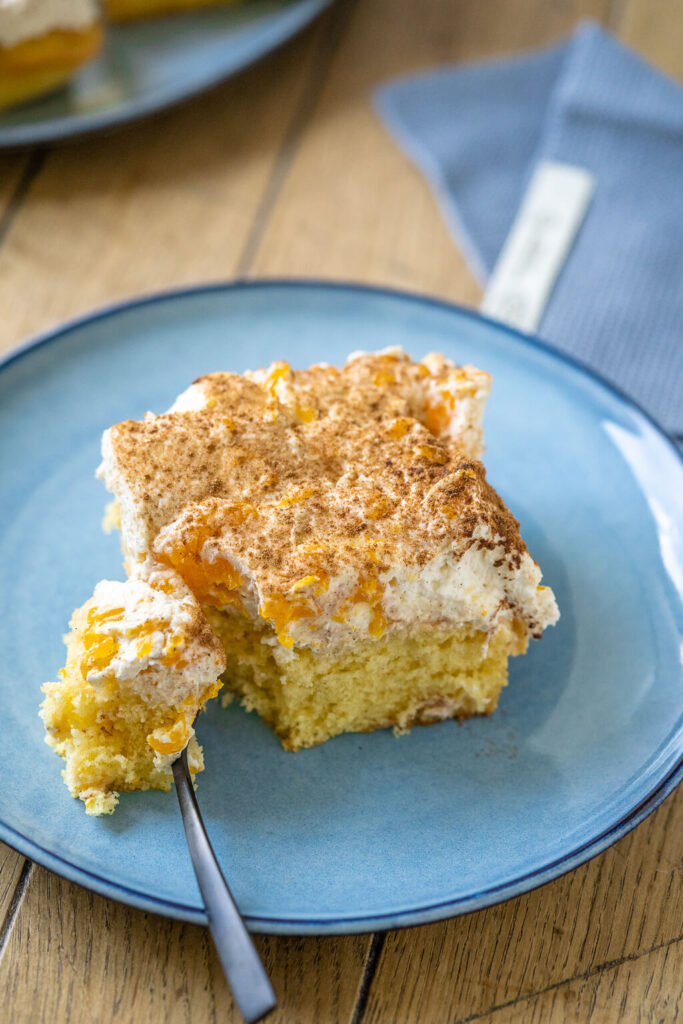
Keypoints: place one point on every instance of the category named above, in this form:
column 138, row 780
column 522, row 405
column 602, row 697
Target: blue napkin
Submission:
column 478, row 131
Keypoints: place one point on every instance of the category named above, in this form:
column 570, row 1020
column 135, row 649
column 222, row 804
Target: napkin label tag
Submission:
column 539, row 242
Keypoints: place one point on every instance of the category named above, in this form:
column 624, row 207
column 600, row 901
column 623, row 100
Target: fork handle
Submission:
column 243, row 969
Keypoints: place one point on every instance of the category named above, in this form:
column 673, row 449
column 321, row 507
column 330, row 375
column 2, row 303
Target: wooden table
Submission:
column 286, row 171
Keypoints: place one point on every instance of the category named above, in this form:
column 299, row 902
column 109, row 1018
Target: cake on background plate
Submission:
column 43, row 43
column 333, row 538
column 132, row 10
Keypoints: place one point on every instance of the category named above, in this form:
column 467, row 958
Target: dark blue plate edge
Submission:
column 63, row 129
column 339, row 925
column 354, row 925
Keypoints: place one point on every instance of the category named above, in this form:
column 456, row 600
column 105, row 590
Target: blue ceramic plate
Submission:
column 150, row 65
column 366, row 831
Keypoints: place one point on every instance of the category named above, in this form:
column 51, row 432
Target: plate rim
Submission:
column 428, row 913
column 67, row 128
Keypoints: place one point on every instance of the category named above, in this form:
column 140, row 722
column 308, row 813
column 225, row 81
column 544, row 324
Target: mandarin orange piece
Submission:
column 170, row 741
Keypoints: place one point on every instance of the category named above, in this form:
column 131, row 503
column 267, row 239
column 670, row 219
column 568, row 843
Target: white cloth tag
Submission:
column 530, row 261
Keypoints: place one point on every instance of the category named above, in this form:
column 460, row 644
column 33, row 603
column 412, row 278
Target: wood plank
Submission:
column 12, row 167
column 620, row 905
column 167, row 202
column 645, row 989
column 16, row 172
column 11, row 866
column 353, row 206
column 77, row 957
column 655, row 29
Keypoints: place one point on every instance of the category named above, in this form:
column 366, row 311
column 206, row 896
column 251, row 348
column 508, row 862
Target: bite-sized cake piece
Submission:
column 129, row 10
column 141, row 662
column 42, row 43
column 342, row 536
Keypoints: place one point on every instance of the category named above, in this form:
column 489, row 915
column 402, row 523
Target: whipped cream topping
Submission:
column 150, row 635
column 29, row 19
column 451, row 592
column 333, row 504
column 481, row 586
column 273, row 434
column 481, row 589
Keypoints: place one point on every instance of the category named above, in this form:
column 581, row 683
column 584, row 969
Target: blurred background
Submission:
column 284, row 170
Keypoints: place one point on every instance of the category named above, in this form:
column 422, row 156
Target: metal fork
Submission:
column 242, row 966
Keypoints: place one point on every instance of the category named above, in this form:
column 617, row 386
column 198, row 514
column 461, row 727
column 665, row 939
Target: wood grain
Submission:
column 618, row 906
column 655, row 29
column 12, row 166
column 353, row 206
column 11, row 866
column 170, row 201
column 16, row 174
column 646, row 989
column 77, row 957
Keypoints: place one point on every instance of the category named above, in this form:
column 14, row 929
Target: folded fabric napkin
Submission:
column 478, row 131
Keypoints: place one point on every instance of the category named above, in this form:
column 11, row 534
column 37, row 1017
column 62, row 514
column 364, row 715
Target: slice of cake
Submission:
column 42, row 43
column 339, row 533
column 141, row 662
